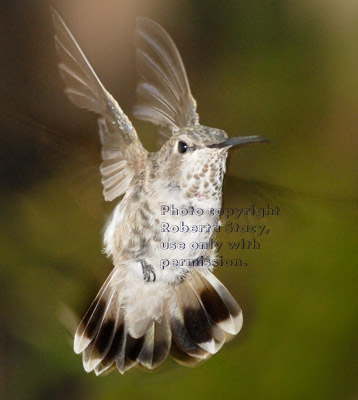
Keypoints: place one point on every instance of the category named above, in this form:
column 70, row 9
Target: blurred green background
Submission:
column 283, row 69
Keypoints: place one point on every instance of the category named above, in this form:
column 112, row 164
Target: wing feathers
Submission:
column 150, row 70
column 163, row 92
column 160, row 48
column 68, row 44
column 85, row 90
column 116, row 171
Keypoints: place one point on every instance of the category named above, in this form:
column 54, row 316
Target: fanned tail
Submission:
column 204, row 316
column 199, row 317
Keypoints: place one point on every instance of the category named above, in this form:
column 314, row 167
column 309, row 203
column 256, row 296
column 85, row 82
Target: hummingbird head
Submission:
column 194, row 159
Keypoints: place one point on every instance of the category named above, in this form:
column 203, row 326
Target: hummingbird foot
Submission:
column 148, row 271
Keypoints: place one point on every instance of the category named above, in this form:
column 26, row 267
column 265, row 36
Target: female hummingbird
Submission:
column 161, row 297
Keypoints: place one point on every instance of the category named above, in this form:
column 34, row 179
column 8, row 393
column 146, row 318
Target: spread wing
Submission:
column 122, row 151
column 163, row 92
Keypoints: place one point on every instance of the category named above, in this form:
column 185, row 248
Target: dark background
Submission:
column 286, row 70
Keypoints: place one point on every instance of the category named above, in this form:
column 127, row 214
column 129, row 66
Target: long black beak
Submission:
column 238, row 141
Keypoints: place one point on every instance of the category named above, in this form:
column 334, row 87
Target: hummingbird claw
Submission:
column 148, row 272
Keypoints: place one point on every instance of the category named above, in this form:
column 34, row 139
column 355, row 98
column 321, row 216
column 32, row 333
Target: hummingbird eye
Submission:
column 182, row 147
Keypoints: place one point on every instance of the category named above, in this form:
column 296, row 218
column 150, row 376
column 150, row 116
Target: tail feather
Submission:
column 109, row 361
column 89, row 325
column 100, row 345
column 129, row 353
column 219, row 304
column 198, row 286
column 157, row 344
column 183, row 358
column 181, row 336
column 201, row 315
column 194, row 317
column 140, row 327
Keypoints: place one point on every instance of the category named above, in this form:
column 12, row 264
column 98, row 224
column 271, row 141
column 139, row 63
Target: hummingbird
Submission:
column 161, row 297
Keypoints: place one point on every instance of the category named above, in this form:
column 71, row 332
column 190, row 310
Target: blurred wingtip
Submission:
column 68, row 318
column 55, row 15
column 142, row 21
